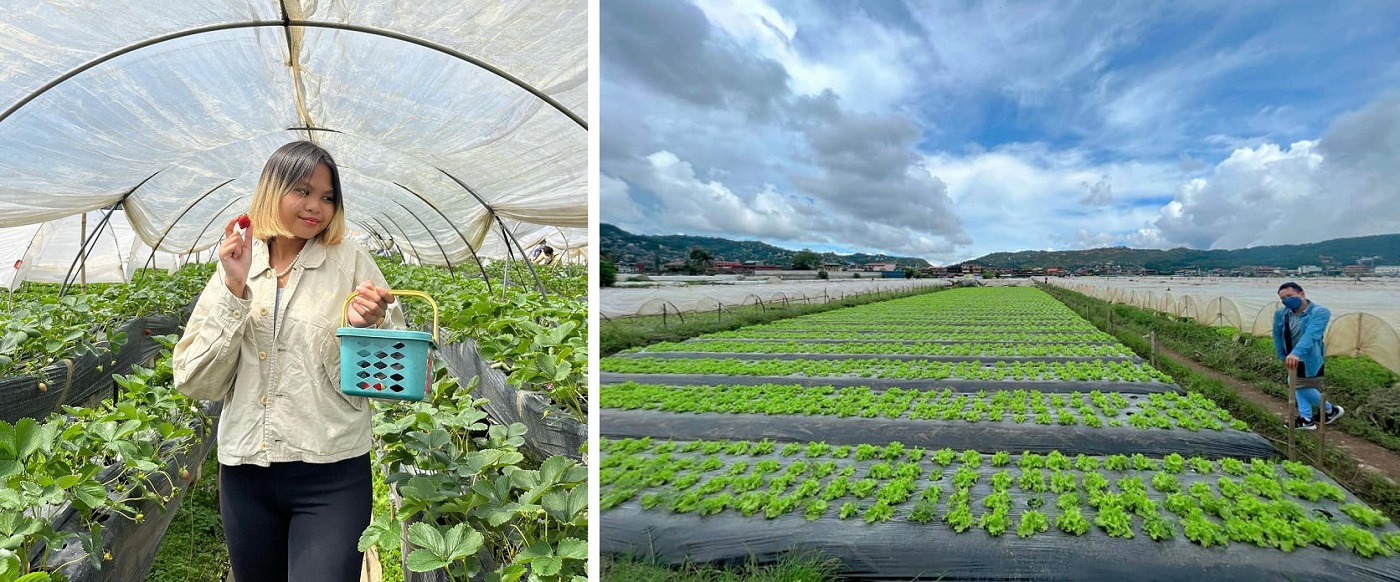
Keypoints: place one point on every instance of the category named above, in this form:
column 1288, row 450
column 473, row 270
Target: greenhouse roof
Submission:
column 449, row 120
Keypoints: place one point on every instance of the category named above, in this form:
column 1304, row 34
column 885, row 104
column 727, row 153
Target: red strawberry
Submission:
column 148, row 332
column 244, row 222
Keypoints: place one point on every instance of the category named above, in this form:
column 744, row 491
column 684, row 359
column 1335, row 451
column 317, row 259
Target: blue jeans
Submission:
column 1308, row 398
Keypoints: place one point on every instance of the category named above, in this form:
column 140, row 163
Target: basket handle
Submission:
column 345, row 308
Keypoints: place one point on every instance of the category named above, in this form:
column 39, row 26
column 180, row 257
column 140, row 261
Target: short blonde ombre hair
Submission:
column 288, row 166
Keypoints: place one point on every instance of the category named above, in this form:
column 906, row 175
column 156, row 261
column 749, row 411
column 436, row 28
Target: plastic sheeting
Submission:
column 909, row 551
column 75, row 379
column 49, row 252
column 446, row 118
column 935, row 434
column 901, row 549
column 551, row 431
column 623, row 302
column 1056, row 386
column 1363, row 321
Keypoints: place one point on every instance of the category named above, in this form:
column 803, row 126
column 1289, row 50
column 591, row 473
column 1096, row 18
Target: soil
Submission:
column 1371, row 457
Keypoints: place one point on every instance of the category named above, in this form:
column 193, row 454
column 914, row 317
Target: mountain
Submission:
column 1382, row 249
column 627, row 248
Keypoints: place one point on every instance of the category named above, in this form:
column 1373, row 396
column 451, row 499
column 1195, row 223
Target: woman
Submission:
column 293, row 450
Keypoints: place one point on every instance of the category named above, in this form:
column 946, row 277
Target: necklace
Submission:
column 295, row 258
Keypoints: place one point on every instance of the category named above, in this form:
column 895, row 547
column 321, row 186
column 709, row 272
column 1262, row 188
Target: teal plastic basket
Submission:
column 387, row 363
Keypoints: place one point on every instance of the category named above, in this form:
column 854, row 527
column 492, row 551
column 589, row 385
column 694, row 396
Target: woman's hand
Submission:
column 236, row 255
column 369, row 305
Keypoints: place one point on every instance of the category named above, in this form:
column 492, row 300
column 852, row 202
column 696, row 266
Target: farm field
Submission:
column 991, row 423
column 616, row 302
column 97, row 448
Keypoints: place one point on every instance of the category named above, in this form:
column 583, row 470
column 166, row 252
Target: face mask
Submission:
column 1293, row 303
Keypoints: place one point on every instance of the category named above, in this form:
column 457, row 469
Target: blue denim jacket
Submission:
column 1310, row 348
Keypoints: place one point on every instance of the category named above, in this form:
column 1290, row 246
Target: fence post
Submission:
column 1292, row 405
column 1153, row 335
column 1321, row 419
column 663, row 315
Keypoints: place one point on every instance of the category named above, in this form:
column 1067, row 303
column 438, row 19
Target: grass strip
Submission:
column 792, row 568
column 193, row 549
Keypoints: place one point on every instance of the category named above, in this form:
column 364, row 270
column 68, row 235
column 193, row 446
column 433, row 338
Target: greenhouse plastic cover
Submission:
column 171, row 109
column 623, row 302
column 46, row 252
column 1364, row 318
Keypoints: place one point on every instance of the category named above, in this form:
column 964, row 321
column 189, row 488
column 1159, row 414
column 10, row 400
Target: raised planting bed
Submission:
column 963, row 349
column 1062, row 386
column 1094, row 409
column 935, row 433
column 889, row 368
column 756, row 332
column 984, row 360
column 894, row 511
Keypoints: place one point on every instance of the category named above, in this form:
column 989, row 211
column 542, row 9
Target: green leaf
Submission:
column 27, row 437
column 374, row 533
column 8, row 448
column 512, row 573
column 462, row 541
column 563, row 506
column 106, row 431
column 547, row 566
column 10, row 500
column 553, row 468
column 426, row 536
column 424, row 561
column 35, row 577
column 89, row 496
column 423, row 488
column 573, row 549
column 539, row 549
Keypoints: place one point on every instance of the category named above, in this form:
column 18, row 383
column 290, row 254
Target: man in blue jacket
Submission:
column 1298, row 329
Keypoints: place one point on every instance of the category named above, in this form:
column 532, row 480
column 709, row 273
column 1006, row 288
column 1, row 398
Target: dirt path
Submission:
column 1371, row 457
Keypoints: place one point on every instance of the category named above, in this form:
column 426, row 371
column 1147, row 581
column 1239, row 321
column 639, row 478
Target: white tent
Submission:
column 449, row 119
column 49, row 252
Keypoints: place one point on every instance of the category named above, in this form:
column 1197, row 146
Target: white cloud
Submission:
column 1344, row 184
column 696, row 205
column 1100, row 193
column 948, row 131
column 1028, row 196
column 613, row 195
column 869, row 65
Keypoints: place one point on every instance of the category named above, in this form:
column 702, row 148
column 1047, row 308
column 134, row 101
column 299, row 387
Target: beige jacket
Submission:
column 282, row 399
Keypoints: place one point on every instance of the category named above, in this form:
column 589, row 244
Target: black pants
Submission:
column 298, row 522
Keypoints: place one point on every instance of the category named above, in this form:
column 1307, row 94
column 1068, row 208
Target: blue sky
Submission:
column 950, row 130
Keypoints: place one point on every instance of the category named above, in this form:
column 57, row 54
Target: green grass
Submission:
column 791, row 569
column 621, row 333
column 194, row 549
column 1131, row 326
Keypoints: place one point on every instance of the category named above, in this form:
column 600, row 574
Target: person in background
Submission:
column 294, row 467
column 1298, row 329
column 545, row 256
